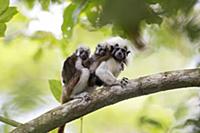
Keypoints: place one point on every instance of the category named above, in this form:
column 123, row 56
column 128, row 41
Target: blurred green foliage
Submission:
column 6, row 13
column 126, row 16
column 56, row 88
column 29, row 61
column 44, row 3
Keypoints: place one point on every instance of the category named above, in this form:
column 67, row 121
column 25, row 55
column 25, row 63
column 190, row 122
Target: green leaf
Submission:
column 29, row 3
column 68, row 20
column 76, row 1
column 70, row 17
column 171, row 7
column 150, row 121
column 44, row 4
column 57, row 1
column 192, row 29
column 181, row 111
column 152, row 1
column 2, row 29
column 3, row 5
column 38, row 54
column 8, row 14
column 56, row 88
column 93, row 12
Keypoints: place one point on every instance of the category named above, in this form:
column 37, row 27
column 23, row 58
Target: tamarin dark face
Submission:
column 101, row 50
column 83, row 53
column 119, row 53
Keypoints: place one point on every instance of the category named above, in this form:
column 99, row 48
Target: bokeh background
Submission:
column 43, row 33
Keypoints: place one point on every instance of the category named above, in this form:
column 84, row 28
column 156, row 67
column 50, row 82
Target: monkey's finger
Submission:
column 83, row 96
column 124, row 83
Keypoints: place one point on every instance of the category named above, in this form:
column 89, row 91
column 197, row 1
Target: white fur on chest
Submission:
column 108, row 71
column 114, row 66
column 82, row 83
column 79, row 64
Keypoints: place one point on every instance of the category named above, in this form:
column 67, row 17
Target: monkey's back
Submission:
column 95, row 62
column 69, row 68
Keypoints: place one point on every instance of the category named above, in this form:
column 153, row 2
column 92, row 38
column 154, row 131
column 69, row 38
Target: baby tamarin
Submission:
column 102, row 53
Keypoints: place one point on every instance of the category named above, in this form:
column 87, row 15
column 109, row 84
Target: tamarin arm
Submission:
column 98, row 61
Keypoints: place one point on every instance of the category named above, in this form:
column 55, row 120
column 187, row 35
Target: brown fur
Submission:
column 69, row 69
column 68, row 88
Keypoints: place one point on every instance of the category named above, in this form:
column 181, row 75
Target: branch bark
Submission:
column 106, row 96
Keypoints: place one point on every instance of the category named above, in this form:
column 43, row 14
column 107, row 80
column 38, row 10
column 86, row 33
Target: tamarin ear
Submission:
column 77, row 52
column 128, row 52
column 125, row 48
column 89, row 51
column 111, row 48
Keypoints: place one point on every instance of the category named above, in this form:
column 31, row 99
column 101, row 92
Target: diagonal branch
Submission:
column 106, row 96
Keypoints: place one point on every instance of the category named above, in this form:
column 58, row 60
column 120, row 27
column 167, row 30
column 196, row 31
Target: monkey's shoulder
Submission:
column 86, row 63
column 71, row 60
column 90, row 61
column 69, row 68
column 99, row 59
column 104, row 58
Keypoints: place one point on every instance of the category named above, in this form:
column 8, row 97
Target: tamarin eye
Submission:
column 116, row 45
column 117, row 49
column 98, row 45
column 124, row 50
column 82, row 52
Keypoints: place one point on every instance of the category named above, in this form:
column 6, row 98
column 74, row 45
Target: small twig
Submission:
column 81, row 125
column 9, row 121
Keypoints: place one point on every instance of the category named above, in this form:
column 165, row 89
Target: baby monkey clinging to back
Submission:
column 102, row 53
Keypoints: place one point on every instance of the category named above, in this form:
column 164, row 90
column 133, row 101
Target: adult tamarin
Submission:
column 108, row 70
column 72, row 71
column 74, row 76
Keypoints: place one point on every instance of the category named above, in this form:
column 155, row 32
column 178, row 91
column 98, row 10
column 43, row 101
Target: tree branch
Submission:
column 106, row 96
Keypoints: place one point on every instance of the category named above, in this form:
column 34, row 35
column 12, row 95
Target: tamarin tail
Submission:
column 61, row 129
